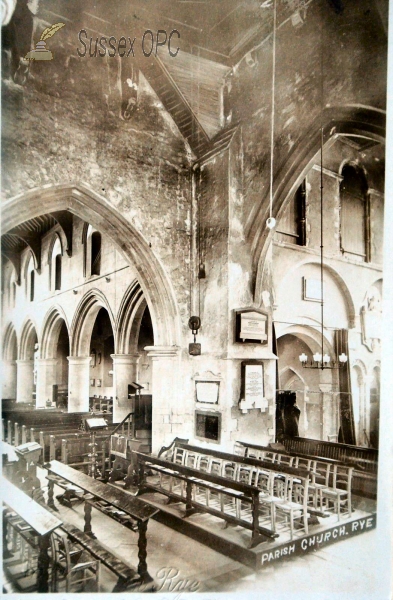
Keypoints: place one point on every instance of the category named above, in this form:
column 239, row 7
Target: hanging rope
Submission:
column 271, row 221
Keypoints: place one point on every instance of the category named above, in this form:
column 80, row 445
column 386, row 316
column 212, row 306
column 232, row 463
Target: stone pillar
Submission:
column 24, row 380
column 8, row 377
column 326, row 406
column 365, row 410
column 46, row 377
column 78, row 383
column 124, row 372
column 166, row 373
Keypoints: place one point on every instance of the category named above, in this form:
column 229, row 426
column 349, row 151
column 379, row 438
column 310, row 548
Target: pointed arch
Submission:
column 84, row 319
column 92, row 208
column 28, row 335
column 10, row 343
column 129, row 319
column 53, row 322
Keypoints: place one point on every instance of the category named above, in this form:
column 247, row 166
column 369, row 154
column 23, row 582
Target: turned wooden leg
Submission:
column 87, row 528
column 142, row 552
column 51, row 487
column 43, row 564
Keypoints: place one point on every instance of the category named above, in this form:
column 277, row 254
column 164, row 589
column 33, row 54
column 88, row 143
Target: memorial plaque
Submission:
column 254, row 391
column 253, row 326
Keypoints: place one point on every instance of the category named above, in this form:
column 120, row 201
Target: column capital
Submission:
column 47, row 361
column 79, row 360
column 162, row 351
column 24, row 361
column 125, row 359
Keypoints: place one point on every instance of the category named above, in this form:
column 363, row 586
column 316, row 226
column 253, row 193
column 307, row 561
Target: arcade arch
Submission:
column 10, row 355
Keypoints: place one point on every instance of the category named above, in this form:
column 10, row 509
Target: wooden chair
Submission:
column 71, row 564
column 267, row 502
column 244, row 474
column 338, row 496
column 320, row 477
column 291, row 509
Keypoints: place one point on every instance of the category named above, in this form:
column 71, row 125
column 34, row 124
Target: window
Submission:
column 30, row 279
column 292, row 225
column 208, row 426
column 354, row 211
column 92, row 246
column 32, row 283
column 58, row 272
column 95, row 253
column 56, row 258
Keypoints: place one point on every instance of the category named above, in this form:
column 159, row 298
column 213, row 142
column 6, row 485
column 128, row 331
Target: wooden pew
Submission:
column 37, row 520
column 97, row 494
column 190, row 481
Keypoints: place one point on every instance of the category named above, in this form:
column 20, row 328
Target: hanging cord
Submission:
column 321, row 186
column 271, row 221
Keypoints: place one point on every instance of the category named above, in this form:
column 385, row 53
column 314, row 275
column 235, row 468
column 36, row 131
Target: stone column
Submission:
column 327, row 399
column 9, row 379
column 124, row 372
column 365, row 409
column 24, row 380
column 46, row 377
column 166, row 373
column 78, row 383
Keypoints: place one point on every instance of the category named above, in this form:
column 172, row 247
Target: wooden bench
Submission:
column 96, row 492
column 128, row 578
column 206, row 492
column 38, row 521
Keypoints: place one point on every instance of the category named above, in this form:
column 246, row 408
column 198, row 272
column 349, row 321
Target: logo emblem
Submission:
column 40, row 52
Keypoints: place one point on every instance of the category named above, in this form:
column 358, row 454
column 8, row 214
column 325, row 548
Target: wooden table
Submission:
column 95, row 492
column 39, row 519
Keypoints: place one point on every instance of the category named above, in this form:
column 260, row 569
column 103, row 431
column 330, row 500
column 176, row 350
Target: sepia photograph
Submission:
column 196, row 298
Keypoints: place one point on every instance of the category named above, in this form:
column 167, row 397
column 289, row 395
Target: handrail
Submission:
column 118, row 427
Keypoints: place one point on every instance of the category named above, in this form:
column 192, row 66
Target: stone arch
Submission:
column 51, row 329
column 26, row 346
column 84, row 202
column 84, row 319
column 9, row 343
column 351, row 120
column 293, row 373
column 341, row 284
column 129, row 318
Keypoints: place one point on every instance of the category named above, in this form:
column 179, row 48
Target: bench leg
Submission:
column 43, row 564
column 51, row 502
column 142, row 552
column 189, row 508
column 87, row 528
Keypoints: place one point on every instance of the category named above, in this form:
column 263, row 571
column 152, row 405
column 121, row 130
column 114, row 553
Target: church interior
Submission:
column 192, row 234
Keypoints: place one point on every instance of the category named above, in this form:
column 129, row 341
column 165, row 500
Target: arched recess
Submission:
column 84, row 320
column 10, row 355
column 55, row 266
column 353, row 120
column 53, row 322
column 96, row 210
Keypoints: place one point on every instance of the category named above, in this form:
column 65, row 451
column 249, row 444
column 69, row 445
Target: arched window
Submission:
column 92, row 242
column 292, row 225
column 55, row 260
column 95, row 253
column 354, row 213
column 30, row 279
